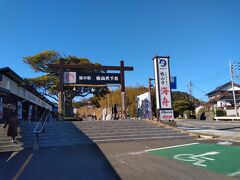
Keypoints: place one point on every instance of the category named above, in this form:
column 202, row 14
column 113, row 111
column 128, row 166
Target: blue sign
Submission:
column 173, row 82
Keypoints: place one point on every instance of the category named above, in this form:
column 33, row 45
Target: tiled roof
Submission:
column 219, row 88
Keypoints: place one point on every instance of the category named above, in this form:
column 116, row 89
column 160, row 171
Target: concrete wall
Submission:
column 232, row 112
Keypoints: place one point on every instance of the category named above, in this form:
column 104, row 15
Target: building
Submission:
column 222, row 97
column 18, row 97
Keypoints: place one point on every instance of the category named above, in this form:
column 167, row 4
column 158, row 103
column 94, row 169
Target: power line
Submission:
column 212, row 77
column 199, row 89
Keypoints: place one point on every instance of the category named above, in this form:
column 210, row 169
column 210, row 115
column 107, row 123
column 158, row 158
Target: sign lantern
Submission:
column 163, row 88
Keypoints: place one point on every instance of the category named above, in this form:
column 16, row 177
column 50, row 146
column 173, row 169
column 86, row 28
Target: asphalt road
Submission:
column 123, row 160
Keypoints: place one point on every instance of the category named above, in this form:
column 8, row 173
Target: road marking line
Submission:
column 12, row 155
column 136, row 153
column 169, row 147
column 24, row 165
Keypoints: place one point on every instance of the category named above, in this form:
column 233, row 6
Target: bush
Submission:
column 180, row 106
column 220, row 113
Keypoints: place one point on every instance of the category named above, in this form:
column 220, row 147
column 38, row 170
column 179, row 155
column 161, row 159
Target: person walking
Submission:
column 12, row 123
column 115, row 111
column 104, row 113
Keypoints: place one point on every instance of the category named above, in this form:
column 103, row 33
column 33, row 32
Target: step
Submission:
column 141, row 138
column 19, row 143
column 128, row 133
column 134, row 136
column 104, row 130
column 98, row 126
column 65, row 144
column 10, row 148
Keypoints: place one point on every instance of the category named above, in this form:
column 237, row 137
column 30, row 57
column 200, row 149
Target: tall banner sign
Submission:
column 1, row 108
column 163, row 88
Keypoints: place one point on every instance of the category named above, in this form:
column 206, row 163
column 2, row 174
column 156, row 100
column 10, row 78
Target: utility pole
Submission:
column 150, row 94
column 233, row 91
column 190, row 90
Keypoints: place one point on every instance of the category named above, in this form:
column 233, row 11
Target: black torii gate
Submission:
column 61, row 67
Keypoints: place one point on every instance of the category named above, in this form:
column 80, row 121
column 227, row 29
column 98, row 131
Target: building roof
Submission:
column 11, row 74
column 219, row 88
column 15, row 77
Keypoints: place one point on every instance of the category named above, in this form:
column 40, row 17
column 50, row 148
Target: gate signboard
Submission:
column 91, row 78
column 89, row 74
column 163, row 88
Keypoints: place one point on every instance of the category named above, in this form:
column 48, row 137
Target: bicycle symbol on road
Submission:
column 198, row 160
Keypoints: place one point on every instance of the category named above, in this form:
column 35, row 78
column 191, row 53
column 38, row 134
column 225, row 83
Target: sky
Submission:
column 200, row 36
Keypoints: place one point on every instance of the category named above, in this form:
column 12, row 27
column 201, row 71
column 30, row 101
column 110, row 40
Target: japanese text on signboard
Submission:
column 93, row 78
column 164, row 81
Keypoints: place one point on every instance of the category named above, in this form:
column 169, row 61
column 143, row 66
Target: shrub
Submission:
column 220, row 113
column 180, row 106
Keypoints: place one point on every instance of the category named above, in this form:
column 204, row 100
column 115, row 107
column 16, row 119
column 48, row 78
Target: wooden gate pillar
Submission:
column 123, row 93
column 61, row 103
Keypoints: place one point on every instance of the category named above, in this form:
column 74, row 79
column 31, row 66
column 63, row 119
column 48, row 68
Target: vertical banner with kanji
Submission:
column 163, row 87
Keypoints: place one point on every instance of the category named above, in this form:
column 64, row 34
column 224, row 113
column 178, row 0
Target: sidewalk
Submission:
column 223, row 130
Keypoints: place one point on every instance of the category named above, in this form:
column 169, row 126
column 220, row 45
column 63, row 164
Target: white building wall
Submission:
column 222, row 104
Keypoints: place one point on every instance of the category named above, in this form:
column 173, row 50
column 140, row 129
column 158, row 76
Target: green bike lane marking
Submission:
column 219, row 158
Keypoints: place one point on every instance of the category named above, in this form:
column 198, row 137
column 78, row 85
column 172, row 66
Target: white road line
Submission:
column 169, row 147
column 12, row 155
column 23, row 166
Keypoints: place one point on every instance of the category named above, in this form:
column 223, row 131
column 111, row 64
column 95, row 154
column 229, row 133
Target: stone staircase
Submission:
column 85, row 132
column 24, row 140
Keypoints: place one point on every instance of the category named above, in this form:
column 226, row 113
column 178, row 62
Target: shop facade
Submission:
column 17, row 97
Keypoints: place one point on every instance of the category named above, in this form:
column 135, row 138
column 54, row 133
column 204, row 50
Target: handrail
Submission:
column 40, row 121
